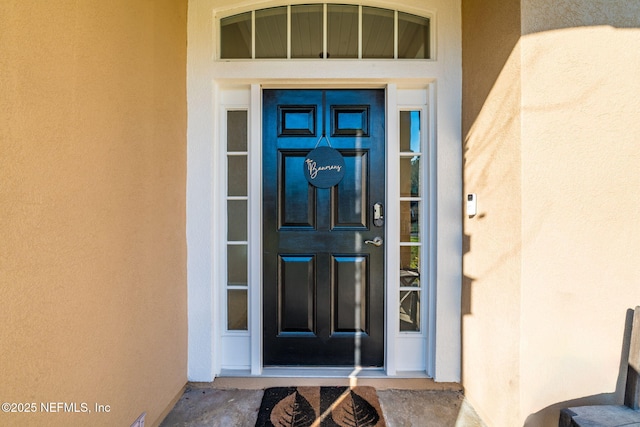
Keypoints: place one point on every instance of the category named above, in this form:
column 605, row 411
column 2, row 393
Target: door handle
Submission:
column 377, row 241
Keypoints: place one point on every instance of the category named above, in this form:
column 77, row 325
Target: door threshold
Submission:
column 323, row 372
column 289, row 377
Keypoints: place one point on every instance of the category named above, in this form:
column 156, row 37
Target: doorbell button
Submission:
column 472, row 204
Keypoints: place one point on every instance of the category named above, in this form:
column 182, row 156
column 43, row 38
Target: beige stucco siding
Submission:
column 492, row 254
column 92, row 202
column 580, row 177
column 548, row 285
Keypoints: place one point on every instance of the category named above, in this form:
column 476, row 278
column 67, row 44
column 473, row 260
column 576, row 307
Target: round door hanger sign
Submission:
column 324, row 167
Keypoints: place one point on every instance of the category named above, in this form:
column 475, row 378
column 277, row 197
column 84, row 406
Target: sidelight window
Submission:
column 237, row 229
column 325, row 31
column 410, row 221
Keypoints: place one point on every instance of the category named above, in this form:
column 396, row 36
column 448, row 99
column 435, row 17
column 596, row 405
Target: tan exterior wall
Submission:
column 92, row 208
column 549, row 283
column 580, row 177
column 492, row 252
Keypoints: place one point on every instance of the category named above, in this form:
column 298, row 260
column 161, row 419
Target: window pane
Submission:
column 409, row 311
column 342, row 31
column 237, row 174
column 410, row 176
column 271, row 33
column 306, row 31
column 409, row 221
column 410, row 278
column 413, row 36
column 377, row 33
column 235, row 36
column 237, row 265
column 410, row 131
column 237, row 310
column 236, row 131
column 410, row 266
column 237, row 220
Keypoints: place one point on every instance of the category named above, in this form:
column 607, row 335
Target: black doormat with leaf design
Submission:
column 321, row 407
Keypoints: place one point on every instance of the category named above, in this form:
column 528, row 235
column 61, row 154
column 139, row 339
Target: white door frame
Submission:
column 422, row 343
column 206, row 76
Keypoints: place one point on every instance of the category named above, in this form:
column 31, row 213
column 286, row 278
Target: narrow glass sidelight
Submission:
column 409, row 311
column 237, row 220
column 411, row 223
column 237, row 266
column 237, row 286
column 237, row 310
column 237, row 131
column 237, row 175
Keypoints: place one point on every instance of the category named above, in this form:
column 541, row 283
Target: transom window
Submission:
column 325, row 31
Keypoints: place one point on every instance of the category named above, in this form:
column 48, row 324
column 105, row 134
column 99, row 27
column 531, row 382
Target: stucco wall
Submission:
column 568, row 271
column 492, row 253
column 580, row 177
column 92, row 208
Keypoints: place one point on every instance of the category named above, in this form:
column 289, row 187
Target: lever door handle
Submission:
column 377, row 241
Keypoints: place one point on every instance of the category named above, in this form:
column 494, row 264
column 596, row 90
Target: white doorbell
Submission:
column 472, row 204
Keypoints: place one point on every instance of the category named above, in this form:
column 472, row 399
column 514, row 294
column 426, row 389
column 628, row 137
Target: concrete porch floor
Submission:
column 231, row 402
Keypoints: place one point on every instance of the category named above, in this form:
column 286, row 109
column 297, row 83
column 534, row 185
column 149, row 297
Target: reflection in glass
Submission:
column 413, row 36
column 409, row 221
column 377, row 32
column 235, row 33
column 237, row 310
column 237, row 130
column 410, row 131
column 410, row 278
column 237, row 265
column 409, row 311
column 342, row 31
column 306, row 31
column 271, row 33
column 409, row 265
column 237, row 175
column 237, row 220
column 410, row 176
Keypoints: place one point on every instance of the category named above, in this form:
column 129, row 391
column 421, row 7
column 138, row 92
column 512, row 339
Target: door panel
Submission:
column 323, row 286
column 349, row 199
column 351, row 301
column 297, row 198
column 296, row 294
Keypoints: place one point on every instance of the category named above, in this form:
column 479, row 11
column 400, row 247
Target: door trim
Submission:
column 392, row 239
column 255, row 228
column 240, row 352
column 447, row 319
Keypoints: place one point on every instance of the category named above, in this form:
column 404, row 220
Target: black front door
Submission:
column 323, row 258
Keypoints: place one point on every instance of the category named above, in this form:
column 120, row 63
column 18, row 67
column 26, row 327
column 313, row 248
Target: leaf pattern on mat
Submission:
column 293, row 411
column 354, row 411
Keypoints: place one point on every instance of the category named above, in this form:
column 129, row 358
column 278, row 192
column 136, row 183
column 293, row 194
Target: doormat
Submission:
column 320, row 407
